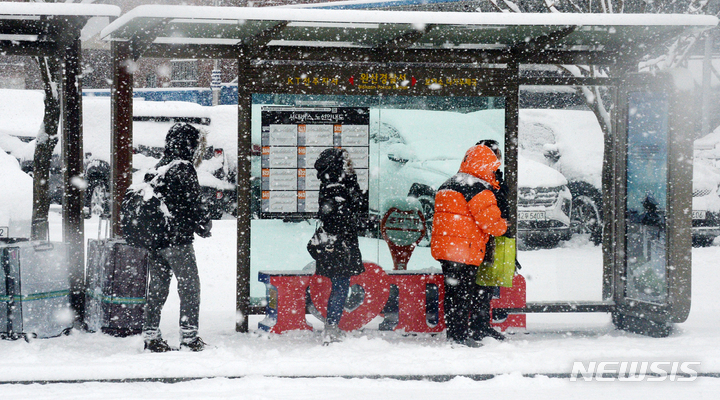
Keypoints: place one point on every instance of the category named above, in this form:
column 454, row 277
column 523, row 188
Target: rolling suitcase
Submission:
column 116, row 282
column 34, row 290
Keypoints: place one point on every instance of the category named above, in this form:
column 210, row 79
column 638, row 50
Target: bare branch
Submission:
column 512, row 6
column 575, row 6
column 697, row 6
column 550, row 4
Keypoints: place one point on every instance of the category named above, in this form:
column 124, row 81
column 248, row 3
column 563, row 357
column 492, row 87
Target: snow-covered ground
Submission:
column 257, row 366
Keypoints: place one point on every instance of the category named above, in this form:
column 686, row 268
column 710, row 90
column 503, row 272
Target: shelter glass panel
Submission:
column 647, row 173
column 559, row 211
column 402, row 150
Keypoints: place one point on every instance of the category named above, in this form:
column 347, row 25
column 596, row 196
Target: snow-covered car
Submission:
column 544, row 204
column 570, row 142
column 151, row 121
column 414, row 151
column 412, row 161
column 217, row 171
column 706, row 189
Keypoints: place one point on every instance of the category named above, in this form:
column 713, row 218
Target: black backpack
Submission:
column 144, row 217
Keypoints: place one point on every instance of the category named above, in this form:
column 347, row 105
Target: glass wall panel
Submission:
column 413, row 145
column 560, row 164
column 647, row 197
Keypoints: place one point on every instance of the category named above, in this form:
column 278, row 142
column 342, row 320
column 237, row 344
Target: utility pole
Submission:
column 216, row 76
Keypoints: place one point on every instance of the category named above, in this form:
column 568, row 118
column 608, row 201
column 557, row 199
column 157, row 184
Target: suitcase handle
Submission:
column 44, row 246
column 107, row 226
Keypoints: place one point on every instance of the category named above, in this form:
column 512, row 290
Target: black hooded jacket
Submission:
column 340, row 203
column 179, row 188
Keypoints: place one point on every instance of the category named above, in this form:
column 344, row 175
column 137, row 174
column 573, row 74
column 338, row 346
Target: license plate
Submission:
column 531, row 215
column 696, row 214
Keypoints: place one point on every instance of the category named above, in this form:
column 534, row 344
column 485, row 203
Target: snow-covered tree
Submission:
column 674, row 55
column 47, row 138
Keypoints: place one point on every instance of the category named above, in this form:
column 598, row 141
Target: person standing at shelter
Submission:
column 179, row 188
column 466, row 215
column 340, row 203
column 480, row 316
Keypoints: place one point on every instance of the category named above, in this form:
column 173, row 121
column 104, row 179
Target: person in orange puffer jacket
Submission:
column 466, row 215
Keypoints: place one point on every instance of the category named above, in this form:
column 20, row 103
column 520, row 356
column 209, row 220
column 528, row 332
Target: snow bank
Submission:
column 15, row 197
column 21, row 112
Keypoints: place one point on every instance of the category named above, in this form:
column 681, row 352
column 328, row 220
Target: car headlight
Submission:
column 566, row 206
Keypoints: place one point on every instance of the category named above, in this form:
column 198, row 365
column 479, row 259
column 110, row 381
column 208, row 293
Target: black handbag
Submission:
column 321, row 244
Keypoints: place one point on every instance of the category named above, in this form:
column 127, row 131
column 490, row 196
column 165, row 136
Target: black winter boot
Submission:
column 157, row 345
column 485, row 331
column 195, row 344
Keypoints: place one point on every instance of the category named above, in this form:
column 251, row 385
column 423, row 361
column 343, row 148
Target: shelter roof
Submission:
column 36, row 10
column 32, row 28
column 173, row 27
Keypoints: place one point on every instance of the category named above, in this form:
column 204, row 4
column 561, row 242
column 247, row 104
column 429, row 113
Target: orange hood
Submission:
column 482, row 163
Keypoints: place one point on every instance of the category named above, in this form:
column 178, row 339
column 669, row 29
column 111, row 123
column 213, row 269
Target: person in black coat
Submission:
column 340, row 203
column 178, row 188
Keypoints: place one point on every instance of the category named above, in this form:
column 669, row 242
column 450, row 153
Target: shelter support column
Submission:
column 72, row 148
column 512, row 117
column 243, row 193
column 121, row 127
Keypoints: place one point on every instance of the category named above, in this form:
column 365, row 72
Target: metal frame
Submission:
column 263, row 56
column 679, row 195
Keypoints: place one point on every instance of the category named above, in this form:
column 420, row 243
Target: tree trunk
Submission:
column 46, row 140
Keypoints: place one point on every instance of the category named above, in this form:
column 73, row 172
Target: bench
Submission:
column 287, row 300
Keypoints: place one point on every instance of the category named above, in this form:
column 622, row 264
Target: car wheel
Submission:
column 586, row 218
column 428, row 211
column 98, row 198
column 586, row 215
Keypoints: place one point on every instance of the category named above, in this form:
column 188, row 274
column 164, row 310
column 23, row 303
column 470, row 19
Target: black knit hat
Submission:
column 492, row 145
column 181, row 141
column 329, row 163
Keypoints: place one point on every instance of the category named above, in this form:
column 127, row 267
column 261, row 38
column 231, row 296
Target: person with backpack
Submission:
column 174, row 182
column 466, row 216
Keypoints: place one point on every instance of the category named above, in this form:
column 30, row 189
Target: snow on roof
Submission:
column 193, row 27
column 208, row 14
column 360, row 4
column 8, row 9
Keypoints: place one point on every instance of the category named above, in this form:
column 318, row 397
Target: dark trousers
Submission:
column 467, row 305
column 336, row 303
column 179, row 260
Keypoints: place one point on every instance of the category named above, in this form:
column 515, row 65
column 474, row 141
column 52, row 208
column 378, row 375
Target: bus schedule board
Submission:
column 292, row 139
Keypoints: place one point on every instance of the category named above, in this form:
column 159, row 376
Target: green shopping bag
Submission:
column 500, row 271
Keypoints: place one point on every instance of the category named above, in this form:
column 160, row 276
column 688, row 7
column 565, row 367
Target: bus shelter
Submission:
column 54, row 30
column 361, row 67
